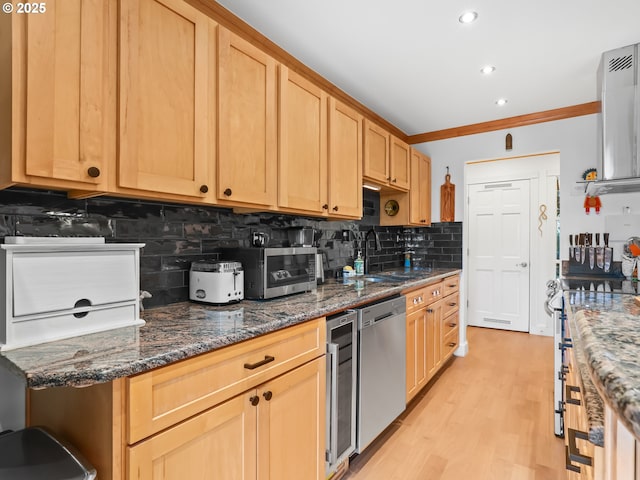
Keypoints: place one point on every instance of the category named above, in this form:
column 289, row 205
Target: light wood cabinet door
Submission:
column 247, row 119
column 63, row 87
column 291, row 424
column 399, row 163
column 345, row 161
column 167, row 83
column 420, row 191
column 302, row 146
column 416, row 352
column 376, row 153
column 218, row 443
column 434, row 341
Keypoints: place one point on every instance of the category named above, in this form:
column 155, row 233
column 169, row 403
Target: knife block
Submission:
column 584, row 267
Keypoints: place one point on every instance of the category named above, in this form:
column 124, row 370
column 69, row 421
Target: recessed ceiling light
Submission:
column 487, row 69
column 468, row 17
column 501, row 101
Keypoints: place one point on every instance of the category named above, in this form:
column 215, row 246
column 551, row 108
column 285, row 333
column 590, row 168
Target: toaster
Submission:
column 216, row 281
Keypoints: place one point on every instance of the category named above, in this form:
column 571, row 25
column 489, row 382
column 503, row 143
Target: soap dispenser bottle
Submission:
column 359, row 264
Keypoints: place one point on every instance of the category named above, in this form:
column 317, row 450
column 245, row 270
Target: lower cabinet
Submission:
column 432, row 331
column 272, row 431
column 253, row 410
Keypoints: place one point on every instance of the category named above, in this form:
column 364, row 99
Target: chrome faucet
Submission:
column 377, row 247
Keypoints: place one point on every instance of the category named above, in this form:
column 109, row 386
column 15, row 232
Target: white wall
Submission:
column 575, row 139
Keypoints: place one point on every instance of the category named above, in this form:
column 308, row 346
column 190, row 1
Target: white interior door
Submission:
column 498, row 256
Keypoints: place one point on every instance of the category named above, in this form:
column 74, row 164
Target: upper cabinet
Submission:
column 247, row 119
column 413, row 207
column 420, row 193
column 386, row 158
column 399, row 164
column 302, row 145
column 58, row 114
column 167, row 99
column 345, row 161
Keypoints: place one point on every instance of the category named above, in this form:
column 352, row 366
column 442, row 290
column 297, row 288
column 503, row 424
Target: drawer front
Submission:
column 449, row 324
column 449, row 343
column 450, row 305
column 433, row 292
column 61, row 281
column 168, row 395
column 450, row 285
column 415, row 299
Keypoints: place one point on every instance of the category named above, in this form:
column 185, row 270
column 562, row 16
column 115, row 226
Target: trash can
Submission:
column 34, row 454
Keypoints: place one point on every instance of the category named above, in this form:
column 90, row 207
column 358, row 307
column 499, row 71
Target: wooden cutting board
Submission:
column 447, row 199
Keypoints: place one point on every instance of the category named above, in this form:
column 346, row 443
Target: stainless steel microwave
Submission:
column 274, row 272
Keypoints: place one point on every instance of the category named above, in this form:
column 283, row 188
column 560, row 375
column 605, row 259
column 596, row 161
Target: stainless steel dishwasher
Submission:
column 382, row 332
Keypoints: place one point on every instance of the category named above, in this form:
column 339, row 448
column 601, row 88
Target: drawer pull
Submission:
column 452, row 344
column 452, row 286
column 452, row 324
column 568, row 389
column 253, row 366
column 255, row 400
column 574, row 453
column 83, row 302
column 452, row 304
column 567, row 462
column 267, row 395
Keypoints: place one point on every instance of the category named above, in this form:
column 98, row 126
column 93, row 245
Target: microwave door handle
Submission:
column 332, row 455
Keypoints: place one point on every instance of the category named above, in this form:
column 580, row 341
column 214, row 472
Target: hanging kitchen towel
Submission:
column 447, row 199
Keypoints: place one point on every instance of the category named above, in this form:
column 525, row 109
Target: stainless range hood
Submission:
column 618, row 77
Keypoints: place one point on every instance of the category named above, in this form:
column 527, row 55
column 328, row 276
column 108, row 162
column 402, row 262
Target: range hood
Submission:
column 619, row 92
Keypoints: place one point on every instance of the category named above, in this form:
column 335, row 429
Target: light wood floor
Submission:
column 488, row 417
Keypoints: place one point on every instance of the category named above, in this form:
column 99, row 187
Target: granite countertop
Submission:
column 606, row 336
column 186, row 329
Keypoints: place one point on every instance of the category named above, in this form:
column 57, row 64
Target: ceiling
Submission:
column 414, row 64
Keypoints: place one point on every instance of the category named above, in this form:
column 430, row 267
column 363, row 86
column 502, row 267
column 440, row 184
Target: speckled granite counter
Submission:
column 605, row 328
column 183, row 330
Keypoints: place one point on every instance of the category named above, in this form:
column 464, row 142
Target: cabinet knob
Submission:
column 335, row 209
column 93, row 172
column 325, row 206
column 429, row 310
column 267, row 395
column 452, row 344
column 204, row 189
column 452, row 304
column 452, row 324
column 227, row 192
column 395, row 180
column 255, row 400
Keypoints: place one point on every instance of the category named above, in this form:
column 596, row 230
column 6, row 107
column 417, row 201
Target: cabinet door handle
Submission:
column 452, row 304
column 568, row 389
column 429, row 310
column 93, row 172
column 253, row 366
column 227, row 192
column 255, row 400
column 572, row 449
column 395, row 180
column 204, row 189
column 267, row 395
column 325, row 206
column 452, row 324
column 335, row 208
column 452, row 344
column 452, row 286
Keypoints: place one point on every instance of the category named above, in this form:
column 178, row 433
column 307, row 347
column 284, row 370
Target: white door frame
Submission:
column 543, row 170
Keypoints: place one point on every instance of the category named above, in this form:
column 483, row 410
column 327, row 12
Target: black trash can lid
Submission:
column 33, row 454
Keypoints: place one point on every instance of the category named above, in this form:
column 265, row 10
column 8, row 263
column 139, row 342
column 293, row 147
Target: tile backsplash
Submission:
column 175, row 235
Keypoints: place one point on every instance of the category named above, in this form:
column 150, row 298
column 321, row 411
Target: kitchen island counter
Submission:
column 605, row 330
column 182, row 330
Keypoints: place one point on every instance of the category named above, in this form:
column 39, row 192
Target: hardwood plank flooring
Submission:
column 489, row 416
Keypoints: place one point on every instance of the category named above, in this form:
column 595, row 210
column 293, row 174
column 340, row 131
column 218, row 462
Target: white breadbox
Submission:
column 55, row 288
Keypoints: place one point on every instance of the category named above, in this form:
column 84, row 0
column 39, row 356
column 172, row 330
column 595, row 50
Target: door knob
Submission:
column 523, row 264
